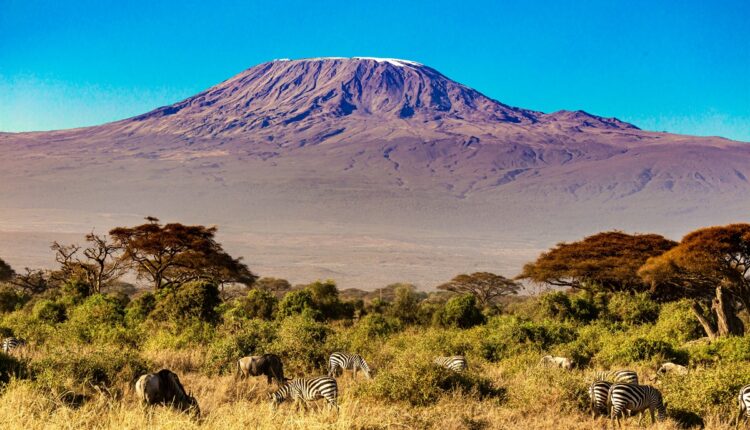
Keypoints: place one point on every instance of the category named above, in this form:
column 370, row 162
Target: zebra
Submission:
column 456, row 363
column 598, row 394
column 11, row 343
column 617, row 376
column 635, row 398
column 339, row 361
column 307, row 389
column 744, row 400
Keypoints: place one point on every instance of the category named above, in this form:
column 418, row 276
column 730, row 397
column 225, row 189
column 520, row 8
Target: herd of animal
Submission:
column 612, row 393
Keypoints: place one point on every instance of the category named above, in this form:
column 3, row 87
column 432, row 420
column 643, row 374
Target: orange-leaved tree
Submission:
column 711, row 266
column 607, row 261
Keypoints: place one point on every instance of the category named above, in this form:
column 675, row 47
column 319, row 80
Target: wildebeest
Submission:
column 561, row 362
column 164, row 388
column 266, row 364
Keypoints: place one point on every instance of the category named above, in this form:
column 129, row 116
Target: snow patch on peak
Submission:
column 394, row 61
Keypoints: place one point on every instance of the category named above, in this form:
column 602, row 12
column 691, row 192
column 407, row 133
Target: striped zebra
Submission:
column 11, row 343
column 635, row 398
column 307, row 389
column 598, row 394
column 617, row 376
column 456, row 363
column 744, row 400
column 340, row 361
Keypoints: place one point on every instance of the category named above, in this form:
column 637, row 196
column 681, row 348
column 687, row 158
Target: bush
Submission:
column 624, row 350
column 461, row 312
column 633, row 308
column 11, row 299
column 139, row 309
column 194, row 300
column 257, row 304
column 296, row 303
column 562, row 307
column 677, row 323
column 416, row 380
column 250, row 337
column 508, row 335
column 405, row 305
column 49, row 311
column 712, row 390
column 300, row 340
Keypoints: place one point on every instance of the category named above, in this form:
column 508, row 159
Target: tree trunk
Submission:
column 708, row 326
column 726, row 315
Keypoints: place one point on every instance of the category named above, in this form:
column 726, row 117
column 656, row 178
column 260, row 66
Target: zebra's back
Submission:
column 456, row 363
column 342, row 360
column 635, row 398
column 308, row 389
column 617, row 376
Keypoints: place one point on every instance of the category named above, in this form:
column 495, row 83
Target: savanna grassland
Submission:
column 88, row 340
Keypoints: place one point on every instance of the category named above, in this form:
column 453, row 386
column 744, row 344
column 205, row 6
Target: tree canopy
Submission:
column 709, row 264
column 607, row 261
column 486, row 287
column 174, row 254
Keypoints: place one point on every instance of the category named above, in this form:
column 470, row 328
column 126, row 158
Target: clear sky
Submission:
column 680, row 66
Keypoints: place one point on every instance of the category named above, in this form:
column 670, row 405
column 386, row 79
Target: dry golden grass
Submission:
column 227, row 404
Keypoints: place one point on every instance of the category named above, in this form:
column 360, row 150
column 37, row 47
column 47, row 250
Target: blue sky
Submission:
column 677, row 66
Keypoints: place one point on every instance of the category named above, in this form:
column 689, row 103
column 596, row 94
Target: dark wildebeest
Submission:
column 266, row 364
column 164, row 388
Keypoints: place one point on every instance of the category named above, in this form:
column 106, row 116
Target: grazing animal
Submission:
column 744, row 400
column 672, row 368
column 598, row 394
column 11, row 343
column 304, row 390
column 456, row 363
column 561, row 362
column 164, row 388
column 635, row 398
column 340, row 361
column 617, row 376
column 266, row 364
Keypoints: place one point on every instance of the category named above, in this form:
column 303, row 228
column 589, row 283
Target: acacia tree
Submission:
column 486, row 287
column 711, row 266
column 99, row 267
column 607, row 261
column 173, row 254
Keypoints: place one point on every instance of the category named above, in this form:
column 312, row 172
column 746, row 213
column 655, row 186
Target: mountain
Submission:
column 365, row 170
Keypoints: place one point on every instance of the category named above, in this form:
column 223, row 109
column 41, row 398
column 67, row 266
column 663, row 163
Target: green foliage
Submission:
column 11, row 299
column 414, row 379
column 100, row 366
column 257, row 304
column 296, row 303
column 508, row 335
column 49, row 311
column 562, row 307
column 636, row 308
column 139, row 309
column 677, row 323
column 703, row 391
column 634, row 348
column 195, row 300
column 249, row 337
column 300, row 341
column 461, row 312
column 405, row 305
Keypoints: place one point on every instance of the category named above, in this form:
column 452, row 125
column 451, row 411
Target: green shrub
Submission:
column 405, row 305
column 49, row 311
column 705, row 391
column 139, row 309
column 296, row 303
column 509, row 335
column 11, row 299
column 636, row 308
column 194, row 300
column 629, row 348
column 677, row 323
column 250, row 337
column 300, row 340
column 562, row 307
column 257, row 304
column 461, row 311
column 416, row 380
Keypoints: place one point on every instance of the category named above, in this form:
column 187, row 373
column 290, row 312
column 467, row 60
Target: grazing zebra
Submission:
column 598, row 394
column 305, row 390
column 11, row 343
column 617, row 376
column 744, row 400
column 341, row 360
column 635, row 398
column 456, row 363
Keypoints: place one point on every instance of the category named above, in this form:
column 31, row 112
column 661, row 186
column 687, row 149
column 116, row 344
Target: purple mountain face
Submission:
column 367, row 171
